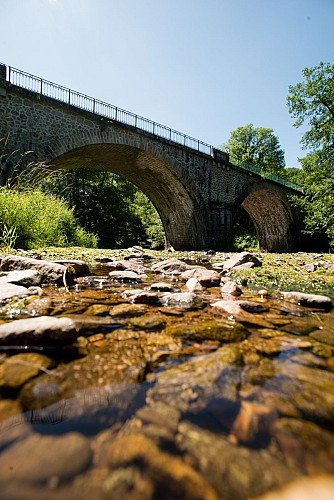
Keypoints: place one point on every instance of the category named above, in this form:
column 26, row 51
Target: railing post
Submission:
column 69, row 96
column 41, row 89
column 116, row 113
column 94, row 105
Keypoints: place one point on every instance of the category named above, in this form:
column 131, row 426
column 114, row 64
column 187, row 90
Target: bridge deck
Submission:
column 76, row 99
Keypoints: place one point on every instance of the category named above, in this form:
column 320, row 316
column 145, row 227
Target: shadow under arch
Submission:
column 273, row 220
column 178, row 209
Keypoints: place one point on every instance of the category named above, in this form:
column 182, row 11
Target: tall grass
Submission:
column 30, row 219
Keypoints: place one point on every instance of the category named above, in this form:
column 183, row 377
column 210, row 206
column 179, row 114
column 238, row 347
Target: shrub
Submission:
column 33, row 219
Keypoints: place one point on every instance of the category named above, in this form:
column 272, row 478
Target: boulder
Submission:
column 50, row 272
column 206, row 277
column 240, row 259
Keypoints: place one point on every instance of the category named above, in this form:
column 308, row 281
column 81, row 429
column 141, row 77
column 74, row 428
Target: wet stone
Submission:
column 171, row 475
column 325, row 335
column 240, row 472
column 98, row 310
column 305, row 445
column 39, row 307
column 18, row 369
column 127, row 310
column 31, row 461
column 151, row 323
column 186, row 300
column 209, row 330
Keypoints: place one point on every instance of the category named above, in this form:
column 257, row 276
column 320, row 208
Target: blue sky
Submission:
column 203, row 67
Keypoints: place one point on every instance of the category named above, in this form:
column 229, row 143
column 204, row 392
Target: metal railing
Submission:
column 114, row 113
column 82, row 101
column 263, row 174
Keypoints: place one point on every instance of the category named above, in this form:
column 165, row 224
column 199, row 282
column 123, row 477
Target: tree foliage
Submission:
column 257, row 146
column 311, row 103
column 109, row 206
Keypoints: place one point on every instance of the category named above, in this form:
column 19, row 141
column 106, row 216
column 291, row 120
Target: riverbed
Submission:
column 164, row 393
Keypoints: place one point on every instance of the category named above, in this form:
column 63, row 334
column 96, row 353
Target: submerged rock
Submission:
column 39, row 458
column 168, row 473
column 18, row 369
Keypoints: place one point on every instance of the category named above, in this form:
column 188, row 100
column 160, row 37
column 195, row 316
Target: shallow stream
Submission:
column 166, row 401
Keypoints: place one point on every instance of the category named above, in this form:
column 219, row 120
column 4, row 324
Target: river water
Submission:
column 163, row 400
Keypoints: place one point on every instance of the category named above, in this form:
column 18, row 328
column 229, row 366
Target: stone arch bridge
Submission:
column 195, row 188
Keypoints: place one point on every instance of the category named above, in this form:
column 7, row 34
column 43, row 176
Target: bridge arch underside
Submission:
column 272, row 219
column 180, row 214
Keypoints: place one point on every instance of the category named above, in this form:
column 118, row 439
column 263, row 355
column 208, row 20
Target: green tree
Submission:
column 109, row 206
column 311, row 103
column 258, row 147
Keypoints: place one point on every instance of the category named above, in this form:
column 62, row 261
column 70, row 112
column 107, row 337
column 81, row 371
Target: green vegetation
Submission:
column 109, row 206
column 311, row 103
column 258, row 147
column 31, row 219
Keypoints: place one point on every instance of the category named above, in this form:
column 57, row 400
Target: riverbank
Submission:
column 304, row 272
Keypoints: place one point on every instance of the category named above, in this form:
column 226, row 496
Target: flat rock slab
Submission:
column 35, row 331
column 10, row 291
column 49, row 271
column 28, row 277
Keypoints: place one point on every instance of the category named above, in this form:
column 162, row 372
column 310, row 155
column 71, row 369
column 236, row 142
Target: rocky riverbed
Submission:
column 146, row 375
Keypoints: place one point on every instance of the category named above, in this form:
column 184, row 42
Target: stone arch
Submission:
column 178, row 208
column 273, row 219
